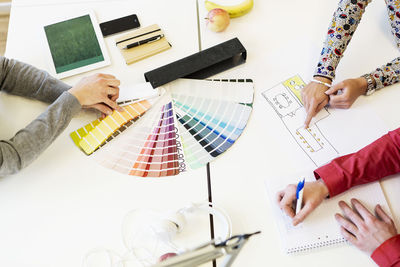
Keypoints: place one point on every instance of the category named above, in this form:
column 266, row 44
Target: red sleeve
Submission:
column 375, row 161
column 388, row 253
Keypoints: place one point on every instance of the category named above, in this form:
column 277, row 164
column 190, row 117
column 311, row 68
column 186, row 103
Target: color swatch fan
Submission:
column 191, row 123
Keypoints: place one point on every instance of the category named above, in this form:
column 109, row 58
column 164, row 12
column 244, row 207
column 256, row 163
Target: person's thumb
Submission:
column 303, row 213
column 334, row 88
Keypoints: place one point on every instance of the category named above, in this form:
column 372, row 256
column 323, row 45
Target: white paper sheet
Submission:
column 332, row 133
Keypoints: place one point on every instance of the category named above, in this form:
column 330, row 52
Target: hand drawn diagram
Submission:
column 285, row 98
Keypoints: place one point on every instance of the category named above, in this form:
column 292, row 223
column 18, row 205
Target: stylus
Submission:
column 145, row 41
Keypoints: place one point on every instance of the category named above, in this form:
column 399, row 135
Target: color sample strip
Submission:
column 195, row 155
column 110, row 124
column 215, row 113
column 167, row 149
column 194, row 124
column 158, row 156
column 142, row 164
column 199, row 132
column 124, row 150
column 77, row 135
column 234, row 92
column 215, row 125
column 234, row 126
column 189, row 125
column 121, row 154
column 212, row 132
column 193, row 150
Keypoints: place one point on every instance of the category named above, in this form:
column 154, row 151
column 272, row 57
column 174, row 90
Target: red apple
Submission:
column 217, row 19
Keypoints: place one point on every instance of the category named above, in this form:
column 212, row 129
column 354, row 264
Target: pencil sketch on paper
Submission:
column 285, row 98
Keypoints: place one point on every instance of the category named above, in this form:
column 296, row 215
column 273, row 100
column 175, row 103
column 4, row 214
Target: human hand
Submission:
column 314, row 98
column 351, row 89
column 99, row 91
column 314, row 193
column 362, row 229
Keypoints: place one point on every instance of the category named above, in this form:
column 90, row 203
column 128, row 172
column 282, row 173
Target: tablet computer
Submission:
column 75, row 45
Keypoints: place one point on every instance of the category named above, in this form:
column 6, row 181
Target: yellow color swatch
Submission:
column 94, row 134
column 78, row 134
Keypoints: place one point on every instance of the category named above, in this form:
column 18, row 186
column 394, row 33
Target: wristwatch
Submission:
column 370, row 84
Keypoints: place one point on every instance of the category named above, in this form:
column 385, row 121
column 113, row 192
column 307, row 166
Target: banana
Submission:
column 234, row 11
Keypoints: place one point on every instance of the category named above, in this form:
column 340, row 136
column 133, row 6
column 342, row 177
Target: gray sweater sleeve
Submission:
column 24, row 80
column 21, row 79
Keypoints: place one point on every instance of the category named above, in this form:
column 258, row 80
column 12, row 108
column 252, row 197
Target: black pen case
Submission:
column 200, row 65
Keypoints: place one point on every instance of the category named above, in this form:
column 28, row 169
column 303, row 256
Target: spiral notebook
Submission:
column 320, row 228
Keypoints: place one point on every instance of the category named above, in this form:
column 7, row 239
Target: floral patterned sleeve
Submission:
column 344, row 23
column 390, row 73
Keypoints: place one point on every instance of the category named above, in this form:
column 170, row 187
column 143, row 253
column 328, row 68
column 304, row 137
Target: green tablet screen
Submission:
column 73, row 44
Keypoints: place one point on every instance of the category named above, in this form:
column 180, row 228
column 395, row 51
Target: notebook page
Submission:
column 320, row 228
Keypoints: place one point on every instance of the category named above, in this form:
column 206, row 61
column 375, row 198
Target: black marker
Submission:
column 145, row 41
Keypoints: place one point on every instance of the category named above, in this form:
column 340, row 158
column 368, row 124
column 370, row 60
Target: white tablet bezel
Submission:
column 100, row 40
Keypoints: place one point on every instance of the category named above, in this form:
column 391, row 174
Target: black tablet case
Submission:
column 200, row 65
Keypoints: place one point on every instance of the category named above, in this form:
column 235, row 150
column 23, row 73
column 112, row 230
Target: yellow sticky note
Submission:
column 295, row 84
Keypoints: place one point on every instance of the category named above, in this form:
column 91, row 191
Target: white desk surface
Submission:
column 63, row 204
column 284, row 38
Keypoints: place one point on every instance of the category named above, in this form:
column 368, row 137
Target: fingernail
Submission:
column 109, row 112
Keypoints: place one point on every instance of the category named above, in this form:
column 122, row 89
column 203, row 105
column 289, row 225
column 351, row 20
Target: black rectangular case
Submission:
column 200, row 65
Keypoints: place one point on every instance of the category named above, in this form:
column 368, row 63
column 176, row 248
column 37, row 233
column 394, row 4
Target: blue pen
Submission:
column 299, row 195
